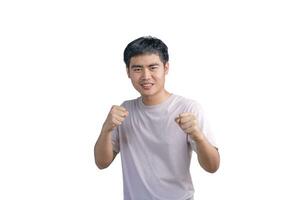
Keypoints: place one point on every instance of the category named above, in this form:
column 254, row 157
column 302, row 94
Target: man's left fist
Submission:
column 189, row 124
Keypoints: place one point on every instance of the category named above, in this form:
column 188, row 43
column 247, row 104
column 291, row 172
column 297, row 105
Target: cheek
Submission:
column 159, row 75
column 135, row 82
column 160, row 78
column 134, row 78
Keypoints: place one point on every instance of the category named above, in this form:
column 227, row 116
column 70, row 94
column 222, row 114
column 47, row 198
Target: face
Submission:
column 147, row 73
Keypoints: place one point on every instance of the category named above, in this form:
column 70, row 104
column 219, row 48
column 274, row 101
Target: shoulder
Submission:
column 193, row 106
column 130, row 104
column 188, row 104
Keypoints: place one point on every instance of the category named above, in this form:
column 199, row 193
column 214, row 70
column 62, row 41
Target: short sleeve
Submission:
column 115, row 140
column 204, row 124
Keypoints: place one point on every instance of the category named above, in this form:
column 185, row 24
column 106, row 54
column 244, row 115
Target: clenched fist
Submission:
column 189, row 124
column 115, row 117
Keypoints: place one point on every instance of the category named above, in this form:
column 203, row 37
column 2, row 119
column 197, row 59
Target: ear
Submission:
column 127, row 71
column 166, row 68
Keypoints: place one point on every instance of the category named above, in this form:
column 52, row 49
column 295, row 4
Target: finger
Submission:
column 187, row 125
column 185, row 114
column 189, row 129
column 118, row 118
column 121, row 113
column 116, row 122
column 186, row 119
column 120, row 108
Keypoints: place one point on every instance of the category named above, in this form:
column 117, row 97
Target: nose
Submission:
column 146, row 73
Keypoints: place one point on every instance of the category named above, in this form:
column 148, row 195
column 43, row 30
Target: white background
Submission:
column 62, row 68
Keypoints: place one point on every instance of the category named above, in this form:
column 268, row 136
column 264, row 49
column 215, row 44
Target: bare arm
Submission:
column 104, row 154
column 208, row 155
column 103, row 151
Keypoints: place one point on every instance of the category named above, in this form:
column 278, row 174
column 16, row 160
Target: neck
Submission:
column 156, row 99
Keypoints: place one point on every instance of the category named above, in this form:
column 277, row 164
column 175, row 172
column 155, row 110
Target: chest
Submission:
column 153, row 130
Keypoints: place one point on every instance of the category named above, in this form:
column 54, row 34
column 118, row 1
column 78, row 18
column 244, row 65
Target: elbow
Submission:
column 101, row 165
column 211, row 166
column 214, row 165
column 212, row 170
column 101, row 162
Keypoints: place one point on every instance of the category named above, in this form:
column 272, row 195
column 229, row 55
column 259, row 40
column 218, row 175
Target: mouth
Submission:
column 146, row 86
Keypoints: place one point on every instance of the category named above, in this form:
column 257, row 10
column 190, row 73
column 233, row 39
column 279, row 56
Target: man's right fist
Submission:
column 114, row 118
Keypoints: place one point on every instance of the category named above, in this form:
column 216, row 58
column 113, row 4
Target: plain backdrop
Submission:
column 62, row 69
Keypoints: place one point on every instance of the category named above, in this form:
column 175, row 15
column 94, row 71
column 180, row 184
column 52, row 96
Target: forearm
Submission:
column 103, row 150
column 208, row 155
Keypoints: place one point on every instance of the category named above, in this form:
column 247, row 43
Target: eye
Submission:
column 137, row 69
column 153, row 68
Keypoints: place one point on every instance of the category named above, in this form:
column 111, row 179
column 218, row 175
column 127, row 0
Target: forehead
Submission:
column 145, row 59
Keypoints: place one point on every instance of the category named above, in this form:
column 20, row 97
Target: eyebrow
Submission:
column 141, row 66
column 153, row 64
column 136, row 66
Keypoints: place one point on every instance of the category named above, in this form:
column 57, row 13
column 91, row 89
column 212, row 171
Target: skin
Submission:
column 147, row 74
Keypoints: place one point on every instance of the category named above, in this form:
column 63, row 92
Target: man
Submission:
column 156, row 132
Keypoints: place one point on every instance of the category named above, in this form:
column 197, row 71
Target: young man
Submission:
column 155, row 133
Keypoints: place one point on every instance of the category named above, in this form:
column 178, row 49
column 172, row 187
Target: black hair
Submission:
column 146, row 45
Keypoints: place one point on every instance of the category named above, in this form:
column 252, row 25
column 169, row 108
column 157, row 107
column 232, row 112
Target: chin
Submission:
column 147, row 93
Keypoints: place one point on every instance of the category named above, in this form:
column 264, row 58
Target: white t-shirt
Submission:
column 155, row 152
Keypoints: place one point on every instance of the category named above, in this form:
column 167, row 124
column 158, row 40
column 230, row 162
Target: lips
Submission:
column 146, row 86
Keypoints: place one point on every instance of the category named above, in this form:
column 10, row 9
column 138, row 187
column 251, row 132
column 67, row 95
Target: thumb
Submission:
column 178, row 120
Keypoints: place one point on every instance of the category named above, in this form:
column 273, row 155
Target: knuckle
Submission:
column 112, row 111
column 112, row 118
column 114, row 107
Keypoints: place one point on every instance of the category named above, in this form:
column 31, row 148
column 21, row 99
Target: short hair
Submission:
column 146, row 45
